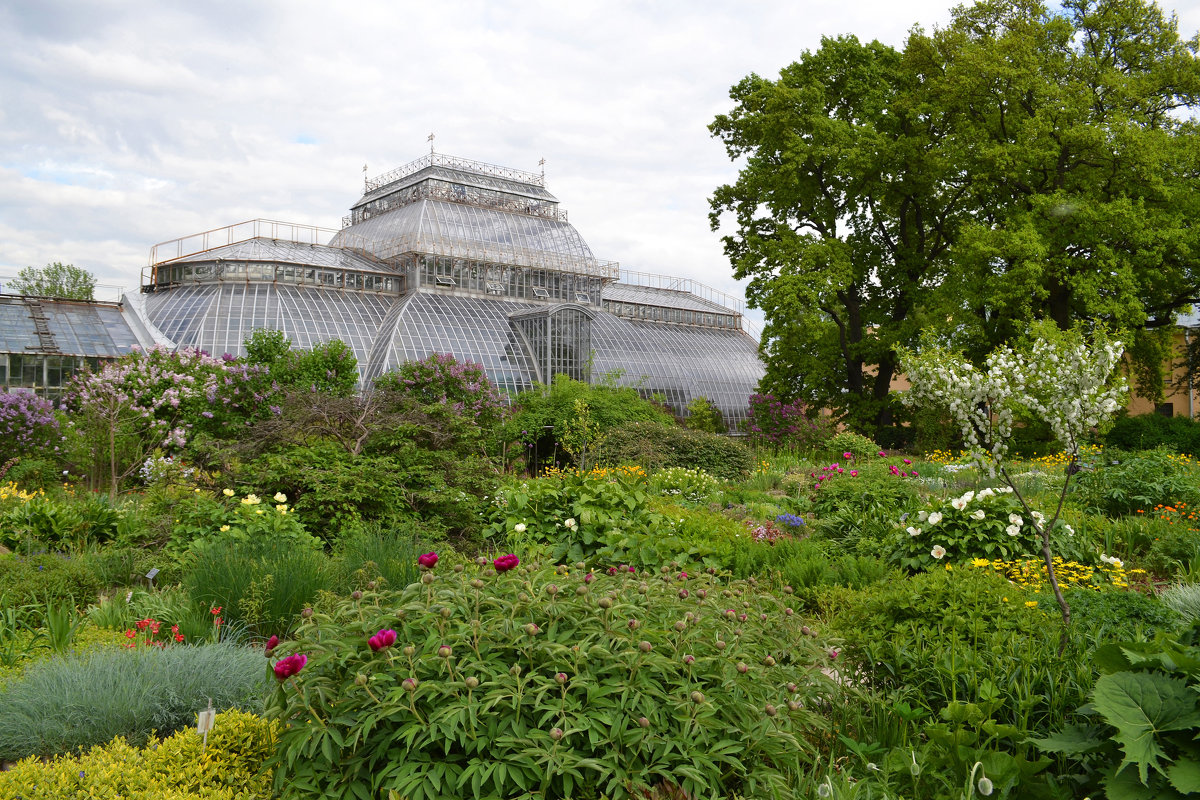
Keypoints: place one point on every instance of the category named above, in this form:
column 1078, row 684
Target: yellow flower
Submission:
column 1031, row 603
column 280, row 497
column 980, row 562
column 250, row 500
column 258, row 511
column 1004, row 599
column 281, row 508
column 224, row 528
column 227, row 492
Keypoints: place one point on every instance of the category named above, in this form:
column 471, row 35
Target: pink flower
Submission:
column 427, row 560
column 906, row 461
column 505, row 563
column 272, row 643
column 382, row 639
column 846, row 456
column 882, row 454
column 287, row 667
column 853, row 473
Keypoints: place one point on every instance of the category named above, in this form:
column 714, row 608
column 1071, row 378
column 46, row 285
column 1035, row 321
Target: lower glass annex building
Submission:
column 447, row 255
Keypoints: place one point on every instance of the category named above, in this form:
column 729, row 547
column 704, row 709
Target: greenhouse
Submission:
column 447, row 255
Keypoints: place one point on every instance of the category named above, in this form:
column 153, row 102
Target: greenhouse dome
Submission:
column 447, row 255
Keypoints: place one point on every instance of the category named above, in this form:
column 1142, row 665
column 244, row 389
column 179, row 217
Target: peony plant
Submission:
column 506, row 679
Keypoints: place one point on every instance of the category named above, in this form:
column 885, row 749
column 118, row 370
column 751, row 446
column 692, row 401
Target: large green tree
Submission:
column 1019, row 164
column 55, row 280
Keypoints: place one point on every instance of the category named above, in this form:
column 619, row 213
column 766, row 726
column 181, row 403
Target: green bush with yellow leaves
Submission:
column 231, row 767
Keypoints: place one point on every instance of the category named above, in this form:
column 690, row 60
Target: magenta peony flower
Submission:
column 272, row 643
column 428, row 560
column 847, row 455
column 289, row 666
column 505, row 563
column 382, row 639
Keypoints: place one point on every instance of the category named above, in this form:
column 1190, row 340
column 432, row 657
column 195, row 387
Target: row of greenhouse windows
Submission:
column 682, row 316
column 44, row 374
column 170, row 274
column 456, row 193
column 522, row 283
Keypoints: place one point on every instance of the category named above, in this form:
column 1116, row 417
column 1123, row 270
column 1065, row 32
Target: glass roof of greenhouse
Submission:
column 285, row 252
column 463, row 231
column 65, row 327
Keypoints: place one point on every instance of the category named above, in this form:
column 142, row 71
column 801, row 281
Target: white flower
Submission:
column 959, row 503
column 1037, row 517
column 984, row 493
column 938, row 551
column 1016, row 519
column 1070, row 531
column 978, row 514
column 935, row 518
column 280, row 497
column 924, row 515
column 913, row 531
column 1013, row 530
column 520, row 527
column 968, row 497
column 1113, row 560
column 570, row 523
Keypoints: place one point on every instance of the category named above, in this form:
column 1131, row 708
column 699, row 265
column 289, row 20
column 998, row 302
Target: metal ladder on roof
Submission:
column 41, row 326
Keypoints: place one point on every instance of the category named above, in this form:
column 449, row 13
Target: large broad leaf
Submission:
column 1073, row 739
column 1184, row 775
column 1141, row 705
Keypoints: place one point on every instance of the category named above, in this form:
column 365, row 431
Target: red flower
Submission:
column 215, row 611
column 287, row 667
column 428, row 560
column 382, row 639
column 272, row 643
column 505, row 563
column 179, row 637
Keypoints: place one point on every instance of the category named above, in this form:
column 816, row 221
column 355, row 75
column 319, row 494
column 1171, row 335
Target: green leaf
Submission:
column 1141, row 705
column 1072, row 740
column 1185, row 776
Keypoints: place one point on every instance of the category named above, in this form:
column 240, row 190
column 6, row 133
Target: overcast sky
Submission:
column 124, row 124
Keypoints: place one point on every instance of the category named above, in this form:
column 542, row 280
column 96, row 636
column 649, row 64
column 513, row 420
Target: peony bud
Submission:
column 793, row 705
column 769, row 661
column 720, row 645
column 589, row 577
column 581, row 590
column 791, row 687
column 788, row 590
column 645, row 723
column 689, row 659
column 476, row 584
column 681, row 625
column 605, row 602
column 560, row 678
column 742, row 668
column 459, row 568
column 515, row 669
column 697, row 697
column 645, row 647
column 683, row 594
column 360, row 680
column 472, row 682
column 702, row 593
column 532, row 629
column 770, row 709
column 552, row 590
column 356, row 594
column 306, row 613
column 270, row 646
column 788, row 612
column 427, row 578
column 634, row 624
column 410, row 684
column 409, row 650
column 445, row 651
column 556, row 733
column 371, row 585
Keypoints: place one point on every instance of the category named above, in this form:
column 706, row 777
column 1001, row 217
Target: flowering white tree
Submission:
column 1060, row 377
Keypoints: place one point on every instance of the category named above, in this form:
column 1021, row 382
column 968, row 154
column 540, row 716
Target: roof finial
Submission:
column 430, row 139
column 365, row 182
column 542, row 164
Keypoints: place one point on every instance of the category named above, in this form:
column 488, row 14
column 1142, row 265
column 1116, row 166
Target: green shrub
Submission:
column 1111, row 614
column 129, row 693
column 655, row 446
column 173, row 768
column 874, row 489
column 1175, row 551
column 59, row 522
column 990, row 524
column 694, row 486
column 856, row 444
column 961, row 635
column 1148, row 431
column 375, row 551
column 28, row 584
column 262, row 585
column 550, row 681
column 1137, row 482
column 704, row 416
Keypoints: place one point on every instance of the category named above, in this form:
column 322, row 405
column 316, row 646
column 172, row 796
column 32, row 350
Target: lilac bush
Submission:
column 792, row 426
column 27, row 425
